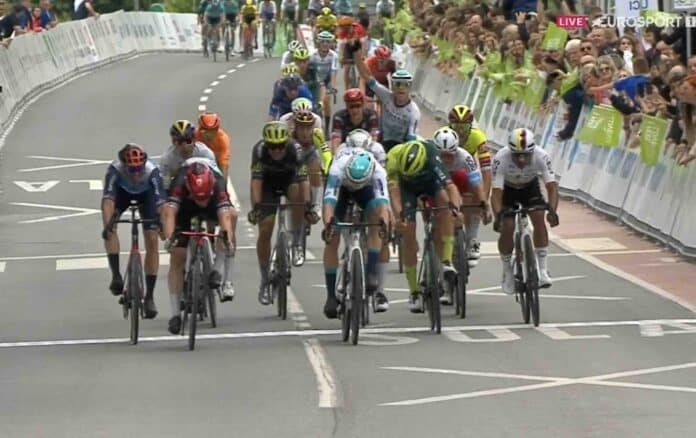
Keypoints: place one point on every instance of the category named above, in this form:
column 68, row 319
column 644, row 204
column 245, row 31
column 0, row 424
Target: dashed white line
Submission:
column 204, row 98
column 222, row 76
column 241, row 65
column 207, row 91
column 214, row 83
column 202, row 107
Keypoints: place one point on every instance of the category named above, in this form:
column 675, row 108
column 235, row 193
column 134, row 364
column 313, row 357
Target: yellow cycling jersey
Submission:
column 249, row 10
column 327, row 22
column 476, row 146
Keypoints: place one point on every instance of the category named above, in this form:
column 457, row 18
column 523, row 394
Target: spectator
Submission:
column 83, row 9
column 5, row 25
column 12, row 22
column 25, row 16
column 49, row 20
column 572, row 53
column 35, row 25
column 587, row 47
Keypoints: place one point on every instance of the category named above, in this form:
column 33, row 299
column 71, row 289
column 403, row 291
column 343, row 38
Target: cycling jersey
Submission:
column 202, row 7
column 314, row 6
column 381, row 70
column 268, row 10
column 277, row 175
column 376, row 194
column 179, row 191
column 311, row 80
column 385, row 8
column 375, row 149
column 327, row 22
column 231, row 9
column 507, row 174
column 399, row 123
column 342, row 124
column 289, row 119
column 282, row 104
column 476, row 145
column 326, row 66
column 121, row 187
column 219, row 144
column 172, row 160
column 290, row 7
column 463, row 170
column 344, row 7
column 215, row 9
column 249, row 11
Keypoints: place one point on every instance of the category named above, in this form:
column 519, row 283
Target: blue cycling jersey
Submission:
column 282, row 104
column 149, row 181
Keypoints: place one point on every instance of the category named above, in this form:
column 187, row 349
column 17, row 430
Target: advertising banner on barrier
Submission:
column 653, row 131
column 602, row 127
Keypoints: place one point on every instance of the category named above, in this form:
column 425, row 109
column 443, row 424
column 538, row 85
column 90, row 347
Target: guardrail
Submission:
column 659, row 201
column 39, row 61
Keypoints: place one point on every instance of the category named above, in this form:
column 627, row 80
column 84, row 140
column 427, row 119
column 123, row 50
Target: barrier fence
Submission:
column 38, row 61
column 659, row 201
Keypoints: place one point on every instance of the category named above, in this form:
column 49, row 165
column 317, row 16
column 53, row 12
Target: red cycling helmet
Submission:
column 353, row 95
column 200, row 181
column 209, row 121
column 383, row 52
column 134, row 157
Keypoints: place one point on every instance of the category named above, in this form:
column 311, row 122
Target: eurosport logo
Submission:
column 662, row 20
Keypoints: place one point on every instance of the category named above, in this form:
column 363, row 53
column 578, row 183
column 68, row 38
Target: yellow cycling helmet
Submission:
column 521, row 141
column 300, row 54
column 249, row 2
column 275, row 133
column 326, row 11
column 412, row 161
column 289, row 69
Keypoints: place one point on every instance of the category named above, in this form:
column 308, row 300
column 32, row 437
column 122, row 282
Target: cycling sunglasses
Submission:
column 275, row 146
column 401, row 84
column 355, row 106
column 460, row 127
column 183, row 141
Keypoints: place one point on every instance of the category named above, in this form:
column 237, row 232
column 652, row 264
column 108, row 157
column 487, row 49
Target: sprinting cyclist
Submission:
column 473, row 140
column 290, row 12
column 231, row 12
column 275, row 171
column 516, row 170
column 344, row 7
column 248, row 14
column 268, row 13
column 354, row 116
column 183, row 147
column 197, row 190
column 212, row 135
column 381, row 67
column 288, row 89
column 214, row 18
column 313, row 10
column 308, row 72
column 204, row 25
column 298, row 105
column 414, row 169
column 287, row 55
column 326, row 22
column 355, row 175
column 363, row 15
column 133, row 177
column 326, row 62
column 352, row 42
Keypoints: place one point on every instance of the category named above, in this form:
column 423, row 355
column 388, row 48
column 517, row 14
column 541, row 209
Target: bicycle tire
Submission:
column 212, row 307
column 357, row 291
column 434, row 287
column 194, row 285
column 461, row 264
column 282, row 267
column 135, row 293
column 520, row 287
column 532, row 285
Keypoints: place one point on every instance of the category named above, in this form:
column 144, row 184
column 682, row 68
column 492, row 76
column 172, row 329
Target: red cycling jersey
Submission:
column 357, row 32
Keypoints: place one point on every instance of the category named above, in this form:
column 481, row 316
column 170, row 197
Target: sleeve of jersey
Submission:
column 157, row 187
column 440, row 172
column 482, row 152
column 110, row 182
column 381, row 187
column 380, row 90
column 222, row 198
column 274, row 108
column 392, row 166
column 412, row 133
column 256, row 165
column 498, row 172
column 472, row 170
column 547, row 169
column 337, row 126
column 333, row 183
column 334, row 63
column 304, row 92
column 177, row 190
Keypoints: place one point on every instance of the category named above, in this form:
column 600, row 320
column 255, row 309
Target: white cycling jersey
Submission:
column 286, row 59
column 325, row 65
column 507, row 173
column 463, row 160
column 399, row 123
column 375, row 149
column 172, row 160
column 289, row 120
column 337, row 173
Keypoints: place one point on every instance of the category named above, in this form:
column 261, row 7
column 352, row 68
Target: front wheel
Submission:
column 282, row 266
column 134, row 296
column 520, row 287
column 532, row 279
column 462, row 266
column 357, row 291
column 433, row 289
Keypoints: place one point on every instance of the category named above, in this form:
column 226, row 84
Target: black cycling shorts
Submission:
column 214, row 21
column 188, row 209
column 529, row 195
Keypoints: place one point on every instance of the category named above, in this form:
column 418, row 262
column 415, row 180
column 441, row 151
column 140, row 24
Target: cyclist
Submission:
column 363, row 16
column 400, row 115
column 212, row 135
column 463, row 171
column 290, row 12
column 359, row 177
column 231, row 12
column 308, row 72
column 313, row 10
column 287, row 90
column 329, row 4
column 297, row 105
column 354, row 116
column 515, row 180
column 204, row 26
column 352, row 41
column 275, row 171
column 326, row 21
column 287, row 55
column 268, row 13
column 381, row 67
column 248, row 14
column 344, row 7
column 385, row 9
column 198, row 190
column 414, row 169
column 473, row 140
column 133, row 177
column 214, row 17
column 184, row 146
column 326, row 62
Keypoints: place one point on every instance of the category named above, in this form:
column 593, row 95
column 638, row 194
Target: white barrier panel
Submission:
column 659, row 200
column 36, row 61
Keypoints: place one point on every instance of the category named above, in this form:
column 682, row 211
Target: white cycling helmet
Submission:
column 521, row 140
column 294, row 45
column 446, row 139
column 359, row 138
column 301, row 104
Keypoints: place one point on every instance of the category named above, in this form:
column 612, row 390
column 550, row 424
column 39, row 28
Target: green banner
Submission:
column 467, row 64
column 555, row 38
column 653, row 131
column 534, row 92
column 569, row 82
column 602, row 127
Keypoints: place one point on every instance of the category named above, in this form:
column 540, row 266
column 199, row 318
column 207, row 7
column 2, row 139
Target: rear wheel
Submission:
column 532, row 279
column 194, row 294
column 357, row 291
column 282, row 264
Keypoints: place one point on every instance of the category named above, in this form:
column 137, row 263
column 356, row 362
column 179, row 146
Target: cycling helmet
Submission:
column 300, row 54
column 521, row 140
column 362, row 5
column 294, row 45
column 291, row 82
column 345, row 21
column 326, row 37
column 446, row 139
column 250, row 2
column 134, row 157
column 382, row 52
column 200, row 181
column 412, row 161
column 290, row 69
column 358, row 138
column 275, row 133
column 182, row 130
column 359, row 170
column 326, row 11
column 461, row 114
column 401, row 75
column 353, row 95
column 304, row 118
column 209, row 121
column 301, row 104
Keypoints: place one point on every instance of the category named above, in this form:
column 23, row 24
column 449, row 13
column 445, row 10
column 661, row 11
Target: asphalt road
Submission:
column 612, row 359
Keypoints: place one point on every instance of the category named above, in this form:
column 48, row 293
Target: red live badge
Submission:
column 571, row 21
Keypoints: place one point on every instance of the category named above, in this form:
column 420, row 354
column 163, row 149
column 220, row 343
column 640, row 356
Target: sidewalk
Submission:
column 602, row 241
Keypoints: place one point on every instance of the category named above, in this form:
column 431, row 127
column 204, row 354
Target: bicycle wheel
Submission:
column 532, row 279
column 212, row 307
column 345, row 309
column 214, row 43
column 282, row 267
column 520, row 287
column 226, row 37
column 357, row 290
column 135, row 295
column 194, row 287
column 462, row 266
column 434, row 288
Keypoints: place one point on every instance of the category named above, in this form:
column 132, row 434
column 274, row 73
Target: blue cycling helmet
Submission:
column 291, row 82
column 359, row 170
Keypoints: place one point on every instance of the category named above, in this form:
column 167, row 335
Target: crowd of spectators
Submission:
column 25, row 16
column 644, row 71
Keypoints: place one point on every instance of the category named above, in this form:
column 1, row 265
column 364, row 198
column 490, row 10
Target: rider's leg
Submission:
column 112, row 247
column 175, row 278
column 316, row 184
column 505, row 245
column 151, row 268
column 263, row 246
column 298, row 193
column 446, row 222
column 541, row 246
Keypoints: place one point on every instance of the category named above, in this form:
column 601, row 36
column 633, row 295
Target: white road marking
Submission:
column 594, row 244
column 95, row 263
column 255, row 60
column 232, row 70
column 36, row 187
column 202, row 108
column 75, row 162
column 214, row 83
column 81, row 212
column 560, row 335
column 329, row 393
column 2, row 266
column 207, row 91
column 204, row 98
column 499, row 335
column 94, row 184
column 550, row 382
column 332, row 332
column 222, row 76
column 309, row 255
column 241, row 66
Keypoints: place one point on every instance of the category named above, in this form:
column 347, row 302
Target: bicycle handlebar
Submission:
column 510, row 212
